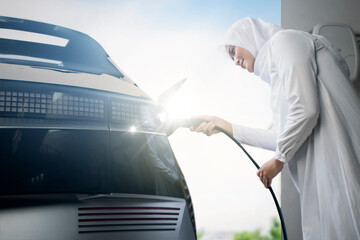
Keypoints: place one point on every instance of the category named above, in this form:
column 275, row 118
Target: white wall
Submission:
column 303, row 15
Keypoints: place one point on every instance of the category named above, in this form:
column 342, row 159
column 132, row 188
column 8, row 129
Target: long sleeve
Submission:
column 255, row 137
column 294, row 61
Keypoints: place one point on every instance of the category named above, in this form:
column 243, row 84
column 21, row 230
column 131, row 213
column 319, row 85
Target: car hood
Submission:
column 103, row 82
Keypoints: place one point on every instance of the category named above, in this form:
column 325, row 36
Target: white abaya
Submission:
column 316, row 131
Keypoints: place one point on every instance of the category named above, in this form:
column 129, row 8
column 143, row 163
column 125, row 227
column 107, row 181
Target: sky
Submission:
column 159, row 42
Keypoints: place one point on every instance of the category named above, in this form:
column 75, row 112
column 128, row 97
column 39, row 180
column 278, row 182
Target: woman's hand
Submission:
column 210, row 122
column 269, row 170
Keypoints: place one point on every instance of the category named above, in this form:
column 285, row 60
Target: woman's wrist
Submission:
column 279, row 163
column 229, row 128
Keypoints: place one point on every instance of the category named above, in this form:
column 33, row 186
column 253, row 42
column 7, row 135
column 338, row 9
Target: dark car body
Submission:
column 82, row 155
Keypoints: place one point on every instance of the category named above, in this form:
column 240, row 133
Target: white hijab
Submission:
column 252, row 34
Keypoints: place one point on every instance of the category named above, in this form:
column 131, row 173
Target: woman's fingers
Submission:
column 269, row 183
column 266, row 180
column 212, row 122
column 200, row 127
column 269, row 170
column 207, row 128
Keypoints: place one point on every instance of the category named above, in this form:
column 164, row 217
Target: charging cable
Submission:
column 171, row 126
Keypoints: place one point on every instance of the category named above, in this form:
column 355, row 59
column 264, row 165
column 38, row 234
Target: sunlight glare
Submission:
column 180, row 107
column 132, row 129
column 162, row 116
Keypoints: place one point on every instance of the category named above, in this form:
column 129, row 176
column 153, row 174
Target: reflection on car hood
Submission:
column 70, row 78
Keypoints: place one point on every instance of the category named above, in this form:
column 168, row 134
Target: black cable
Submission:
column 270, row 188
column 171, row 126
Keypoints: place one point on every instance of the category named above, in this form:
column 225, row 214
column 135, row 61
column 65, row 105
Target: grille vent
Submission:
column 127, row 219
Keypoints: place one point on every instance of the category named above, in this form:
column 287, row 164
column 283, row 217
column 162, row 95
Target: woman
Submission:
column 316, row 125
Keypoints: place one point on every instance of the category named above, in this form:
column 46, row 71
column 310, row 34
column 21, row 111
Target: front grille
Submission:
column 51, row 102
column 127, row 219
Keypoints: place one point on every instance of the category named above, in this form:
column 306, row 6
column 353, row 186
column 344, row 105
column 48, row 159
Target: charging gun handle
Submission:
column 170, row 126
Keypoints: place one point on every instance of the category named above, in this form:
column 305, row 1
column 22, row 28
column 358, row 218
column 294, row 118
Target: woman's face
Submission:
column 242, row 58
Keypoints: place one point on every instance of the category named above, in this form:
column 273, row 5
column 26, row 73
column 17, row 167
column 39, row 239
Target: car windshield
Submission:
column 45, row 45
column 45, row 161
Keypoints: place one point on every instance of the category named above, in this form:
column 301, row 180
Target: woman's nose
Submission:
column 237, row 61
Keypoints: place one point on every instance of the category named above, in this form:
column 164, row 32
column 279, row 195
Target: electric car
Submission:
column 82, row 154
